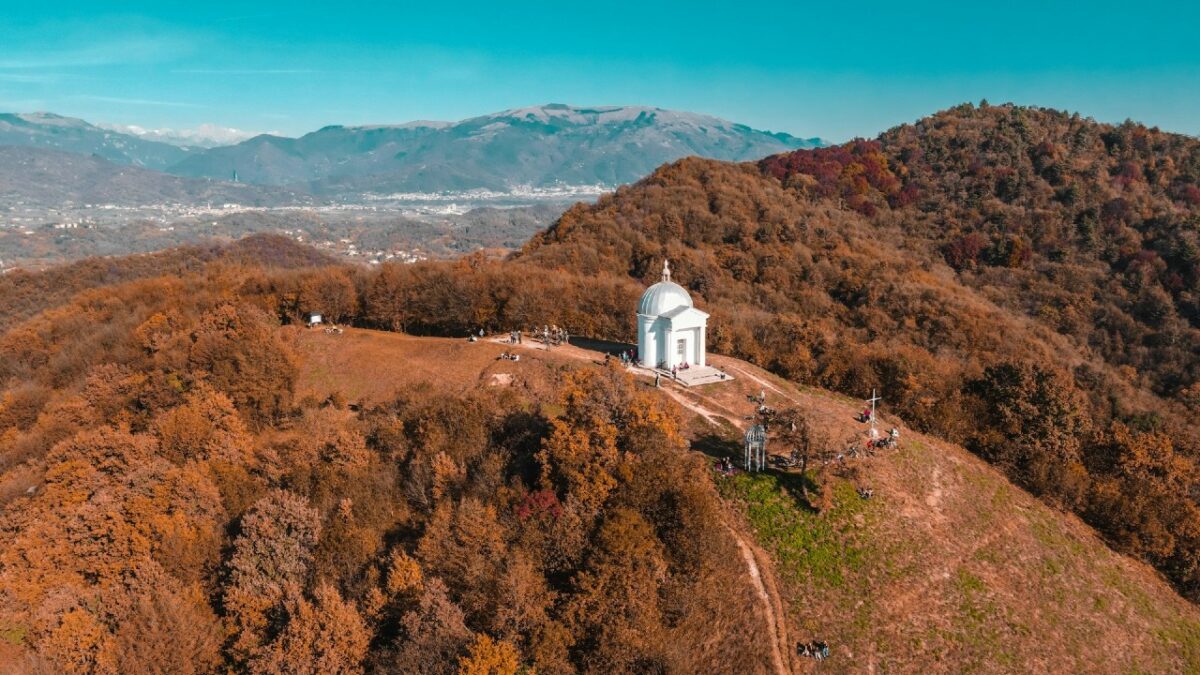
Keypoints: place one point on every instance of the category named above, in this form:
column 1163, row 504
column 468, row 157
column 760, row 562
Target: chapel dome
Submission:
column 662, row 298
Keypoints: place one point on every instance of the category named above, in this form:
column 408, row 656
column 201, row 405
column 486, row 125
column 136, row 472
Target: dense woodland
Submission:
column 1018, row 280
column 170, row 506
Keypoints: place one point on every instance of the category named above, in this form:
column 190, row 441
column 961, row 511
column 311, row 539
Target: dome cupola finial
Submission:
column 666, row 275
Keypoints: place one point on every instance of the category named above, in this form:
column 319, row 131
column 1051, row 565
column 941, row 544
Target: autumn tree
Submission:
column 330, row 292
column 464, row 545
column 433, row 636
column 168, row 633
column 270, row 560
column 1032, row 423
column 489, row 657
column 206, row 427
column 324, row 635
column 239, row 352
column 790, row 428
column 614, row 606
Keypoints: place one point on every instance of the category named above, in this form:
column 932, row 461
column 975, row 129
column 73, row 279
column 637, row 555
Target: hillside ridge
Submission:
column 947, row 556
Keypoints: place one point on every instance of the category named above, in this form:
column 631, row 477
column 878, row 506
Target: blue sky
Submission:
column 805, row 68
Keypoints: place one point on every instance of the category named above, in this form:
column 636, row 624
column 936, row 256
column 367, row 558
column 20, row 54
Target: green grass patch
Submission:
column 553, row 411
column 13, row 634
column 967, row 583
column 979, row 626
column 817, row 548
column 1183, row 637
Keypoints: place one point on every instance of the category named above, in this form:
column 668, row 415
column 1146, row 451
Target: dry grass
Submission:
column 949, row 568
column 373, row 366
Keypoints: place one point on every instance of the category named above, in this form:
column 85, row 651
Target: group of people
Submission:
column 678, row 367
column 625, row 356
column 725, row 466
column 552, row 336
column 548, row 334
column 817, row 649
column 507, row 356
column 889, row 441
column 788, row 462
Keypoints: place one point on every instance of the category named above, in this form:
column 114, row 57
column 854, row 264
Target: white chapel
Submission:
column 670, row 329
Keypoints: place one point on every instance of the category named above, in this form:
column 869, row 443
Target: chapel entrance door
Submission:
column 681, row 352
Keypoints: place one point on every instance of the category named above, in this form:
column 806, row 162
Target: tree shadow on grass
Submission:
column 718, row 447
column 793, row 482
column 800, row 487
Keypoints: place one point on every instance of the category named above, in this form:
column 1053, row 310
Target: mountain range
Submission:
column 38, row 177
column 68, row 134
column 539, row 146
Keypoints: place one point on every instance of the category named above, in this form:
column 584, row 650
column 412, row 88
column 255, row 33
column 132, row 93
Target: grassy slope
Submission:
column 948, row 569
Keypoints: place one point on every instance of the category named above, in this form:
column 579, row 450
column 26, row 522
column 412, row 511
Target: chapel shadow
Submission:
column 718, row 447
column 601, row 347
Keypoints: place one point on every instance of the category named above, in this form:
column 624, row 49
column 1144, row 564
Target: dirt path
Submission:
column 772, row 606
column 902, row 603
column 708, row 415
column 764, row 383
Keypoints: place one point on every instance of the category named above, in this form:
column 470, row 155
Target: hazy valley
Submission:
column 69, row 189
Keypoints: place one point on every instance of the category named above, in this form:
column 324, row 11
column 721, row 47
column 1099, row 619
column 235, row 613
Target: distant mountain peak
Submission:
column 202, row 136
column 604, row 114
column 68, row 134
column 48, row 119
column 415, row 124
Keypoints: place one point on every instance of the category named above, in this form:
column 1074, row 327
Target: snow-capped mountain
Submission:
column 203, row 136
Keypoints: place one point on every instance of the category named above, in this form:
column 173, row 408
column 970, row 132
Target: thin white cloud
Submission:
column 246, row 71
column 137, row 101
column 95, row 44
column 30, row 78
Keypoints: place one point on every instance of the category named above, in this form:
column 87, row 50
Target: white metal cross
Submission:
column 874, row 398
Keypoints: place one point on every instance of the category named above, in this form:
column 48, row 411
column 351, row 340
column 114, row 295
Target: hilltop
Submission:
column 252, row 518
column 421, row 475
column 948, row 566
